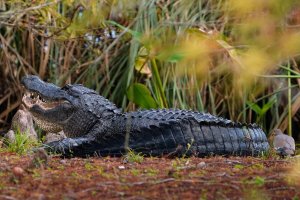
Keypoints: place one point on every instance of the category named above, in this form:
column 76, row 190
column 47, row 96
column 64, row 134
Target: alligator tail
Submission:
column 189, row 137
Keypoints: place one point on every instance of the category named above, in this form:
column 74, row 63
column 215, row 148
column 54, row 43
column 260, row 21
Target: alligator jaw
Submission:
column 33, row 103
column 33, row 98
column 45, row 91
column 42, row 95
column 49, row 105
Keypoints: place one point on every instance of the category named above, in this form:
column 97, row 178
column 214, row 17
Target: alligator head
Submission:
column 53, row 108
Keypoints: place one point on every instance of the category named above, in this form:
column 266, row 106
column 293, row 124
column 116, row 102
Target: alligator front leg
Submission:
column 69, row 147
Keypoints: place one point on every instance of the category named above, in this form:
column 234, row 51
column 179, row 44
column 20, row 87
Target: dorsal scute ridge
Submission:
column 178, row 115
column 100, row 106
column 171, row 116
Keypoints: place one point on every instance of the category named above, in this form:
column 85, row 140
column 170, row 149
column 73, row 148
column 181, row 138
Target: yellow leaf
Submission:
column 141, row 65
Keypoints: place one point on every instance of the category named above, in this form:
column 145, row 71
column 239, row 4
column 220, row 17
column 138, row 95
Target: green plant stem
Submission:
column 279, row 76
column 163, row 100
column 289, row 103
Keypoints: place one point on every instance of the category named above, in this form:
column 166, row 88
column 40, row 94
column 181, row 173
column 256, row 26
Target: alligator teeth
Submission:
column 40, row 98
column 37, row 98
column 32, row 95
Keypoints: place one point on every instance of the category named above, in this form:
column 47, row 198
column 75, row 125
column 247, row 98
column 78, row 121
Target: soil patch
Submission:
column 153, row 178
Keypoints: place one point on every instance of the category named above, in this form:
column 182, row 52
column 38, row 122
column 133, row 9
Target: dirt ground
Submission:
column 149, row 178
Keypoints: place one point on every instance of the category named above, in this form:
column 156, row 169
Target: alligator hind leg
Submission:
column 72, row 146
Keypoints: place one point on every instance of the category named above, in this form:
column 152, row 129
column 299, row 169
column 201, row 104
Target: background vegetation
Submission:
column 236, row 59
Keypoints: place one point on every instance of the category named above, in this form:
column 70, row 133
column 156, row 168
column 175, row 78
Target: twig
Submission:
column 40, row 6
column 7, row 197
column 209, row 183
column 107, row 184
column 15, row 12
column 8, row 110
column 110, row 183
column 281, row 188
column 20, row 58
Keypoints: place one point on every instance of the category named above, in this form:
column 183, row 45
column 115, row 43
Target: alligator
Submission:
column 95, row 126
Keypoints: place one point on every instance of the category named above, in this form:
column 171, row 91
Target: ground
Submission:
column 136, row 177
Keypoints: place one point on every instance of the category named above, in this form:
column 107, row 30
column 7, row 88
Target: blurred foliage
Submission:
column 236, row 59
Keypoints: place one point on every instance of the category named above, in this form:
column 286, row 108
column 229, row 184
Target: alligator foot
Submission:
column 70, row 146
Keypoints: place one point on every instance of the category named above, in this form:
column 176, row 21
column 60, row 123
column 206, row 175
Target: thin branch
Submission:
column 7, row 197
column 11, row 13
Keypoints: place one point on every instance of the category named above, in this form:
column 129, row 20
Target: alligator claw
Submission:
column 37, row 149
column 63, row 147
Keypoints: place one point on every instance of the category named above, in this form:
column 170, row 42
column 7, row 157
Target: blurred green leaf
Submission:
column 231, row 51
column 254, row 107
column 262, row 110
column 259, row 181
column 140, row 95
column 239, row 166
column 135, row 34
column 172, row 57
column 269, row 104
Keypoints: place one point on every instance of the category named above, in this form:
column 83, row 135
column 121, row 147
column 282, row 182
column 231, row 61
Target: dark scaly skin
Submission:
column 95, row 126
